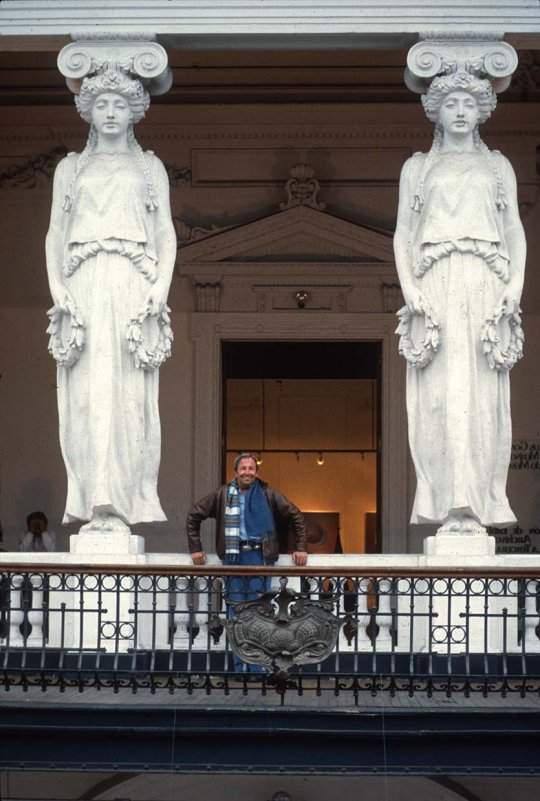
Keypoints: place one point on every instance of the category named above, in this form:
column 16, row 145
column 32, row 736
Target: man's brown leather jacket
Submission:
column 286, row 515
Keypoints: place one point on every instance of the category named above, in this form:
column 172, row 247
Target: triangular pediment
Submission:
column 298, row 233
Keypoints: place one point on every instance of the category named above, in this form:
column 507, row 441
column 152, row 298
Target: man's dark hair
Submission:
column 38, row 516
column 246, row 455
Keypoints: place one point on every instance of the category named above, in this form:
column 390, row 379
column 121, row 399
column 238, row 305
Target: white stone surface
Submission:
column 111, row 249
column 495, row 59
column 101, row 544
column 448, row 546
column 252, row 18
column 146, row 59
column 329, row 564
column 460, row 255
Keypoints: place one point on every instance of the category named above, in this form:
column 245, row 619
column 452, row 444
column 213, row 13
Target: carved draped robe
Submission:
column 458, row 407
column 108, row 408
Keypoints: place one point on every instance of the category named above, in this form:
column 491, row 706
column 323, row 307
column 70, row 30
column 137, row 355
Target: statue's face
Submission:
column 111, row 114
column 459, row 113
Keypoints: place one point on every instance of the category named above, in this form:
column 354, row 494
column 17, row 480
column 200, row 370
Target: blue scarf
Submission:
column 257, row 513
column 258, row 517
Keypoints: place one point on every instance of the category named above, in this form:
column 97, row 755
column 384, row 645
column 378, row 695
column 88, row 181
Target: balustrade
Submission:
column 143, row 626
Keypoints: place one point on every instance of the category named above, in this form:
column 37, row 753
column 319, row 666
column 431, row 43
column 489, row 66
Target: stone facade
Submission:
column 284, row 215
column 241, row 262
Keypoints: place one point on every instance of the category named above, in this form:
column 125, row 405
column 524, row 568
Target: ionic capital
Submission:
column 143, row 58
column 485, row 57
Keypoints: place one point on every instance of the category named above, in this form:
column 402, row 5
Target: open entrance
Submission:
column 311, row 411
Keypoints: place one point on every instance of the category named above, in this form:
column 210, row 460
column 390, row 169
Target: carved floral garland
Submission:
column 418, row 355
column 142, row 356
column 66, row 353
column 497, row 358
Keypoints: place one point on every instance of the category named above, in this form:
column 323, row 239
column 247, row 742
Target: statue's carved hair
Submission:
column 119, row 82
column 482, row 91
column 459, row 81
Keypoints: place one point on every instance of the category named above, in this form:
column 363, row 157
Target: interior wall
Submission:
column 320, row 416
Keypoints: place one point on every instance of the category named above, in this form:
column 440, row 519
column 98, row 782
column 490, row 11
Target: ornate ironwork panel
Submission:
column 283, row 629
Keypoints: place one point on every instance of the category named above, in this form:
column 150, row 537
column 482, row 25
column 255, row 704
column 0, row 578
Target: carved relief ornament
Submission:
column 34, row 171
column 302, row 189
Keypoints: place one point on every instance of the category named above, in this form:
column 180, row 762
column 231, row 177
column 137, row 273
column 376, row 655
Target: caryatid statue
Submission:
column 111, row 249
column 460, row 254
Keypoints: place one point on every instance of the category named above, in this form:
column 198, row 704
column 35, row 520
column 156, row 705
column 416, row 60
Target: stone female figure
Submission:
column 110, row 255
column 460, row 255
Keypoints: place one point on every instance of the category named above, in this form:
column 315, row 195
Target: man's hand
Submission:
column 300, row 558
column 198, row 558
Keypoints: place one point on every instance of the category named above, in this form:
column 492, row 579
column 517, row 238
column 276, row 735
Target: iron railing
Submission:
column 412, row 631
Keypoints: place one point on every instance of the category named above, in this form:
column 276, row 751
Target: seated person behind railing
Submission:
column 38, row 537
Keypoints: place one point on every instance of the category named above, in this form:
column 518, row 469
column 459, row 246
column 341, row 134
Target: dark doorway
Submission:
column 311, row 411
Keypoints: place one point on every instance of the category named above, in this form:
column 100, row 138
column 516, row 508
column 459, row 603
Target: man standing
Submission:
column 249, row 514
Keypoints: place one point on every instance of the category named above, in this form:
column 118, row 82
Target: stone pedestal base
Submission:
column 106, row 544
column 461, row 545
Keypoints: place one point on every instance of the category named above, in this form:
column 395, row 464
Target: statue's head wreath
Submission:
column 120, row 83
column 116, row 81
column 459, row 80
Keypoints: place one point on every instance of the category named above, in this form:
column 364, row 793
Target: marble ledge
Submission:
column 404, row 562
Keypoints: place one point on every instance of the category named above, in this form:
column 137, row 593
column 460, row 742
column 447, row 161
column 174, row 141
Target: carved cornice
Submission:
column 293, row 132
column 32, row 172
column 233, row 273
column 283, row 325
column 186, row 234
column 414, row 132
column 226, row 25
column 144, row 58
column 493, row 59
